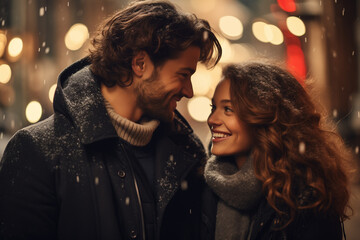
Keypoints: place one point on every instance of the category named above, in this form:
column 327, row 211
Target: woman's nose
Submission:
column 213, row 120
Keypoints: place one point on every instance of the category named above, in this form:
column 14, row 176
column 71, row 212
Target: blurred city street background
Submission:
column 315, row 39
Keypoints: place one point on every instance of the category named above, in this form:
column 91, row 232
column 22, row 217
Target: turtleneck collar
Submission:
column 137, row 134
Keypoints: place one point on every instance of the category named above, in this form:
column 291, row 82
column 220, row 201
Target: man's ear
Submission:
column 139, row 63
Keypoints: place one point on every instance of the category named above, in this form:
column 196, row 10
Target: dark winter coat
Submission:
column 71, row 177
column 306, row 226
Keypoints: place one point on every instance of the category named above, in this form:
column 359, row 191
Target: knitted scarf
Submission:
column 239, row 194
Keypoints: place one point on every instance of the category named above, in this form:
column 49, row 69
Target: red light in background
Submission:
column 296, row 62
column 287, row 5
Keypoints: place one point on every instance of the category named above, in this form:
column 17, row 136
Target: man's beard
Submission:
column 152, row 100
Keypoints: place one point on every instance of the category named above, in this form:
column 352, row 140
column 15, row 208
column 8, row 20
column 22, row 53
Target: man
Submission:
column 116, row 160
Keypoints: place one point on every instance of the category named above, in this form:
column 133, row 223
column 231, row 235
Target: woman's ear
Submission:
column 139, row 63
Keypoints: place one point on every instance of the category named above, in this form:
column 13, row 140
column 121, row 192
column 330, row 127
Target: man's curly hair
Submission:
column 156, row 27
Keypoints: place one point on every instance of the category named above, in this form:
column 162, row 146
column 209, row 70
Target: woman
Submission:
column 278, row 171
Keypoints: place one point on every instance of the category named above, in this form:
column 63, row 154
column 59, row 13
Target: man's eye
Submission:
column 184, row 75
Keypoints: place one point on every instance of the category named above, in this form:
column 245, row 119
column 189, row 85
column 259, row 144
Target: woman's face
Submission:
column 230, row 136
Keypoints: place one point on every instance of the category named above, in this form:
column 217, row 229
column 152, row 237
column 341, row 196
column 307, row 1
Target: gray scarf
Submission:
column 239, row 192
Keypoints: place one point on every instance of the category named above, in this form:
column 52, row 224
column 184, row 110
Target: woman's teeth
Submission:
column 219, row 135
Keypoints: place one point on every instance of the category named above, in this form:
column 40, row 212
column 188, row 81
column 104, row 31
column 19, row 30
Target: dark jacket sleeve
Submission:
column 315, row 226
column 208, row 214
column 27, row 198
column 307, row 225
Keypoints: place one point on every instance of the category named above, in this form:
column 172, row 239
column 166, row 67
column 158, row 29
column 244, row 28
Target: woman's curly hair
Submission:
column 301, row 160
column 156, row 27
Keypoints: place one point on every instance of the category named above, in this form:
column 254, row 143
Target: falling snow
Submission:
column 357, row 149
column 205, row 35
column 77, row 179
column 302, row 147
column 334, row 54
column 168, row 183
column 47, row 50
column 3, row 23
column 343, row 11
column 96, row 181
column 184, row 185
column 335, row 113
column 127, row 201
column 41, row 11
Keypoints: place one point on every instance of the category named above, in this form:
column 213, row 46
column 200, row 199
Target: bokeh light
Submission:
column 287, row 5
column 296, row 26
column 5, row 73
column 231, row 27
column 203, row 5
column 267, row 33
column 276, row 37
column 258, row 31
column 76, row 36
column 3, row 41
column 201, row 80
column 199, row 108
column 15, row 47
column 33, row 111
column 52, row 92
column 227, row 52
column 216, row 74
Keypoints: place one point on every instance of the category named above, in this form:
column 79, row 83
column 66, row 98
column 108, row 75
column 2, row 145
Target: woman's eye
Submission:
column 228, row 109
column 213, row 107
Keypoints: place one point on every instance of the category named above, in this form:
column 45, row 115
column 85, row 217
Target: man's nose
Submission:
column 187, row 90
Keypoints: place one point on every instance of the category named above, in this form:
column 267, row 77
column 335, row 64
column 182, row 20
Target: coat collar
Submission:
column 78, row 97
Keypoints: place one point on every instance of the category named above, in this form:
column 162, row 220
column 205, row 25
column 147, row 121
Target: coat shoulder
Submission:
column 43, row 141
